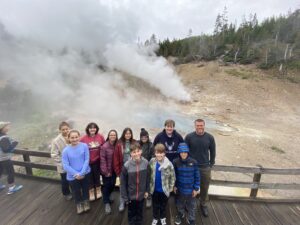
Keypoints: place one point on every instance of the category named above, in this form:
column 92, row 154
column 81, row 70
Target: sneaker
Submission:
column 92, row 194
column 86, row 205
column 14, row 189
column 154, row 222
column 98, row 193
column 163, row 221
column 80, row 208
column 2, row 186
column 178, row 218
column 107, row 209
column 68, row 197
column 121, row 207
column 148, row 203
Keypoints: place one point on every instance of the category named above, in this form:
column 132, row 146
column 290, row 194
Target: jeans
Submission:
column 8, row 167
column 108, row 187
column 65, row 185
column 95, row 174
column 186, row 203
column 135, row 212
column 205, row 177
column 159, row 203
column 80, row 189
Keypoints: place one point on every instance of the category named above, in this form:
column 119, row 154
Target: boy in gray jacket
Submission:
column 135, row 184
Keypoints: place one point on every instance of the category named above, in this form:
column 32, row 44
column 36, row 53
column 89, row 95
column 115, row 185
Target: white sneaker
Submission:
column 154, row 222
column 163, row 221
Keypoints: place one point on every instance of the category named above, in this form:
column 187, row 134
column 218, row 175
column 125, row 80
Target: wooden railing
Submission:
column 254, row 186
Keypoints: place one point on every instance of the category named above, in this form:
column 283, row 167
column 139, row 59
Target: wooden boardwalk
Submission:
column 40, row 203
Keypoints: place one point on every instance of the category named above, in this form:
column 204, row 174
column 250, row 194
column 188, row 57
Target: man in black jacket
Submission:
column 203, row 149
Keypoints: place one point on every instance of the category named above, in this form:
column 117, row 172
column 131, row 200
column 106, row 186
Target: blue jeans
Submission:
column 80, row 189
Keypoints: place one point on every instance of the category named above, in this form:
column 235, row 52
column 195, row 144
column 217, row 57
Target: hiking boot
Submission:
column 204, row 211
column 2, row 186
column 107, row 209
column 98, row 193
column 148, row 203
column 178, row 219
column 86, row 205
column 163, row 221
column 154, row 222
column 92, row 194
column 80, row 208
column 14, row 189
column 68, row 197
column 121, row 207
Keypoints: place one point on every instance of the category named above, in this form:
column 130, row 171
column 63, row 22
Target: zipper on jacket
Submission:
column 137, row 180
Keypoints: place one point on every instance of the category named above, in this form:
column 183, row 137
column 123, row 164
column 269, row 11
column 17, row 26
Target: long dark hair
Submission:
column 91, row 125
column 122, row 139
column 107, row 139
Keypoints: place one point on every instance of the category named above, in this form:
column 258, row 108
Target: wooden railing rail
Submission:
column 255, row 185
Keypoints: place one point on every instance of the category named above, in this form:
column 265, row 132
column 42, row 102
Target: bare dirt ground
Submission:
column 264, row 110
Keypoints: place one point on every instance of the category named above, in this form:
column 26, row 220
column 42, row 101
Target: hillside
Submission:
column 265, row 111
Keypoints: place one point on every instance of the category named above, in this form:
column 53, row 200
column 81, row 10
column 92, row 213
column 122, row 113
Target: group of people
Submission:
column 146, row 170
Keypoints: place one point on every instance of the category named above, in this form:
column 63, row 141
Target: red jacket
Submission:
column 118, row 157
column 94, row 144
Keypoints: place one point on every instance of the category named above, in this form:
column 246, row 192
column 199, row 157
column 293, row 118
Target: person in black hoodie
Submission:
column 146, row 144
column 170, row 139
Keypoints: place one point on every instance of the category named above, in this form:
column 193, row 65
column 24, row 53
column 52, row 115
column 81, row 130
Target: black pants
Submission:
column 80, row 189
column 95, row 174
column 8, row 167
column 65, row 185
column 135, row 212
column 159, row 203
column 108, row 187
column 205, row 177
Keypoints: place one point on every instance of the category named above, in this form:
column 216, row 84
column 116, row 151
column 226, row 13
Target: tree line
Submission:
column 274, row 42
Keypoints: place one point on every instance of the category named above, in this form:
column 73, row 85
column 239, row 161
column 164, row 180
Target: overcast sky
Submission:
column 136, row 18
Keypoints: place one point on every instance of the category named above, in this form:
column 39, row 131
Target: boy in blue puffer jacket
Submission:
column 187, row 184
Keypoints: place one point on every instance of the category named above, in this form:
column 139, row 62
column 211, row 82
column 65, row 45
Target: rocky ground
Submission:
column 264, row 110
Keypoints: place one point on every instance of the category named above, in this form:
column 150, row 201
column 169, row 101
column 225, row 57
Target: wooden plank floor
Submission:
column 40, row 203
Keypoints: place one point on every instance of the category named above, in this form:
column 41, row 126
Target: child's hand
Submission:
column 78, row 177
column 146, row 195
column 194, row 194
column 175, row 190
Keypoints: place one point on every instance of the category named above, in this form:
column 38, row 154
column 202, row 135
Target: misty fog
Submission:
column 79, row 61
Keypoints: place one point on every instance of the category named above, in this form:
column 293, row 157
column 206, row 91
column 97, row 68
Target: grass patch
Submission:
column 277, row 149
column 241, row 74
column 45, row 173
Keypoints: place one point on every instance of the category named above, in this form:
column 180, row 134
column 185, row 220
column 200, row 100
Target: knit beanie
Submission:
column 182, row 147
column 144, row 133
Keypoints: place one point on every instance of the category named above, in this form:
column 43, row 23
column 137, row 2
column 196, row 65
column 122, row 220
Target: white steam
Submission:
column 54, row 48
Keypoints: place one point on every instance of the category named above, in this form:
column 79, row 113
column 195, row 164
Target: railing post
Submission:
column 27, row 168
column 255, row 185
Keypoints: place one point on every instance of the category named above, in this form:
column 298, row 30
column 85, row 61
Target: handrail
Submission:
column 255, row 185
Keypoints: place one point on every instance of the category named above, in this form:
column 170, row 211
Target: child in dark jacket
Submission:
column 135, row 184
column 187, row 184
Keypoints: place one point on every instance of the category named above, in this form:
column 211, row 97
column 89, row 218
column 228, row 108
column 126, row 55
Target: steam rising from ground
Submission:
column 55, row 49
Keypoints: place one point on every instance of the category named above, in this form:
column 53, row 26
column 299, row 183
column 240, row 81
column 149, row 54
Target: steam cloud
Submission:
column 54, row 48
